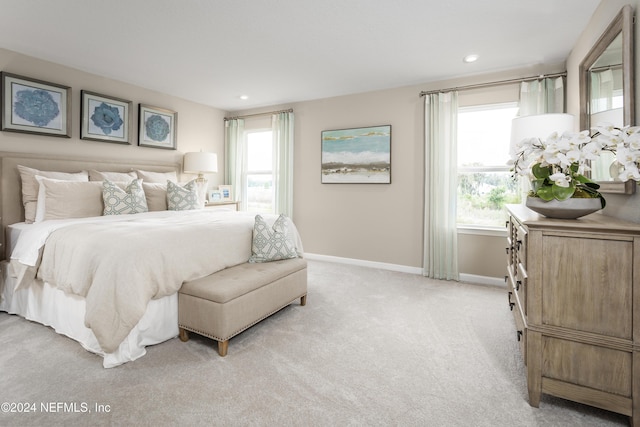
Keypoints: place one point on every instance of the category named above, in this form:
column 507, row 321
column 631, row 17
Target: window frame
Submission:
column 245, row 167
column 464, row 228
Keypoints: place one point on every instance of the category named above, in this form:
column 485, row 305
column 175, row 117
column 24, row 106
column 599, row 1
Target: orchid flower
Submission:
column 560, row 179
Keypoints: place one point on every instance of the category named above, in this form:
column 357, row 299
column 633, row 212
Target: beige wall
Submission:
column 383, row 223
column 621, row 206
column 199, row 127
column 377, row 222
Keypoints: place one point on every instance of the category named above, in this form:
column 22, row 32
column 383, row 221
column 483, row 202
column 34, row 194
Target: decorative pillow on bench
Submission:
column 272, row 243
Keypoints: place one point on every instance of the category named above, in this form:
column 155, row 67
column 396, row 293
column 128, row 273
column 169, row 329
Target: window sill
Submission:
column 482, row 231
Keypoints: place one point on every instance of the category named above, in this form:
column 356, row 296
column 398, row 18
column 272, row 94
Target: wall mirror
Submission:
column 607, row 92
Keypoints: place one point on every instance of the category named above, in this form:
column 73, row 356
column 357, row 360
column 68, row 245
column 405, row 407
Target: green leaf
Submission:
column 541, row 172
column 586, row 181
column 545, row 193
column 562, row 193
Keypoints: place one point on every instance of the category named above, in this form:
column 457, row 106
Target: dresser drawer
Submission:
column 521, row 330
column 520, row 245
column 520, row 285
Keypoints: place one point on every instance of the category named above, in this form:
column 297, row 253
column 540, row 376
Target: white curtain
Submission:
column 441, row 186
column 542, row 96
column 602, row 89
column 234, row 158
column 282, row 125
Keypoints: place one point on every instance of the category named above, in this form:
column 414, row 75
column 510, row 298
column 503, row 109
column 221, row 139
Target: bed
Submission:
column 115, row 292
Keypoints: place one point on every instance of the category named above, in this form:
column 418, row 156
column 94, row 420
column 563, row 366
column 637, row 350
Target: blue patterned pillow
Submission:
column 121, row 202
column 182, row 198
column 272, row 243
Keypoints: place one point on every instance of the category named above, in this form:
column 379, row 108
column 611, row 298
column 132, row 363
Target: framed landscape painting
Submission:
column 157, row 127
column 35, row 106
column 105, row 118
column 357, row 156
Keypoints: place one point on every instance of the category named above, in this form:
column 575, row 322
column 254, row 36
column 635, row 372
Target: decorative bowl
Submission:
column 564, row 209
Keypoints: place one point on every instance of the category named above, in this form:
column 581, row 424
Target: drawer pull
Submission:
column 519, row 335
column 511, row 304
column 505, row 279
column 518, row 283
column 507, row 250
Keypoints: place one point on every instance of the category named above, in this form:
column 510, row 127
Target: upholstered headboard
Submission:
column 11, row 207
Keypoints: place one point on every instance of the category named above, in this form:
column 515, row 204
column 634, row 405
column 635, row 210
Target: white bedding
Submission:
column 65, row 313
column 13, row 233
column 206, row 254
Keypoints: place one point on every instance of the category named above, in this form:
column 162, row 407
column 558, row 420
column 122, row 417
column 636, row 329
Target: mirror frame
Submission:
column 621, row 24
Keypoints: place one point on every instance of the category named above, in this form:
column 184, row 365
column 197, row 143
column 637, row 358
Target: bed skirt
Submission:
column 45, row 304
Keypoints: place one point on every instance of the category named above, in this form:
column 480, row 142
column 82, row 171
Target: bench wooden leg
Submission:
column 184, row 335
column 303, row 300
column 222, row 348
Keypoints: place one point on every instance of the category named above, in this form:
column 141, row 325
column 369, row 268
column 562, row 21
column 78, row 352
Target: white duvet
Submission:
column 119, row 263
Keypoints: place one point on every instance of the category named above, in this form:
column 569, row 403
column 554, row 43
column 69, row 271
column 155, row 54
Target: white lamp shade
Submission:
column 200, row 162
column 539, row 126
column 614, row 117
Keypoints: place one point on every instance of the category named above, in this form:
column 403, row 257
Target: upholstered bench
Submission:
column 223, row 304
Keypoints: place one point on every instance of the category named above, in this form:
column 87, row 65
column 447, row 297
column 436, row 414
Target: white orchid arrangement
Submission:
column 625, row 143
column 556, row 166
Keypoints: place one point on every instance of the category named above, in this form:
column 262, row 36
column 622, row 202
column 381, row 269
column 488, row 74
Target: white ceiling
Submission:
column 282, row 51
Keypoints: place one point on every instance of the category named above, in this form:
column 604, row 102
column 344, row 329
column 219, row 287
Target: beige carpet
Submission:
column 371, row 348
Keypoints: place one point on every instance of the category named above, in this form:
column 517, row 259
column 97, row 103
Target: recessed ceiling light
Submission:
column 471, row 58
column 244, row 97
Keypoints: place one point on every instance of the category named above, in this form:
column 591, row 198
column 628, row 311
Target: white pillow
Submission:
column 60, row 199
column 117, row 201
column 95, row 175
column 157, row 177
column 182, row 198
column 30, row 186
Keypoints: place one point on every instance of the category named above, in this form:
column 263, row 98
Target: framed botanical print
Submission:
column 157, row 127
column 35, row 106
column 105, row 118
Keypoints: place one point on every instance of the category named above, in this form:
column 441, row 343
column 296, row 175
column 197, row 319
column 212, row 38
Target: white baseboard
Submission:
column 363, row 263
column 482, row 280
column 467, row 278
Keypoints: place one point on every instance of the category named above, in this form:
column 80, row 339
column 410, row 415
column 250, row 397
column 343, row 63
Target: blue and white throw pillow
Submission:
column 182, row 198
column 117, row 201
column 272, row 243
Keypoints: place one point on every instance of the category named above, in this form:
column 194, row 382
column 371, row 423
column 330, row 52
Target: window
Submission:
column 484, row 180
column 258, row 180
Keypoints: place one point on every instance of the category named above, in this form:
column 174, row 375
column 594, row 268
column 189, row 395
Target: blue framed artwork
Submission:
column 35, row 106
column 157, row 127
column 357, row 155
column 105, row 118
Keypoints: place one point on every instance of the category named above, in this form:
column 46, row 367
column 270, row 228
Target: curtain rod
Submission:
column 290, row 110
column 606, row 67
column 498, row 83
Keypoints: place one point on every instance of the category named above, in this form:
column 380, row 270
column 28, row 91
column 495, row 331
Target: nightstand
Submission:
column 224, row 205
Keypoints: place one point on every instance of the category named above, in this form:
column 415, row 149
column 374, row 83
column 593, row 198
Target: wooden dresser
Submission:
column 575, row 297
